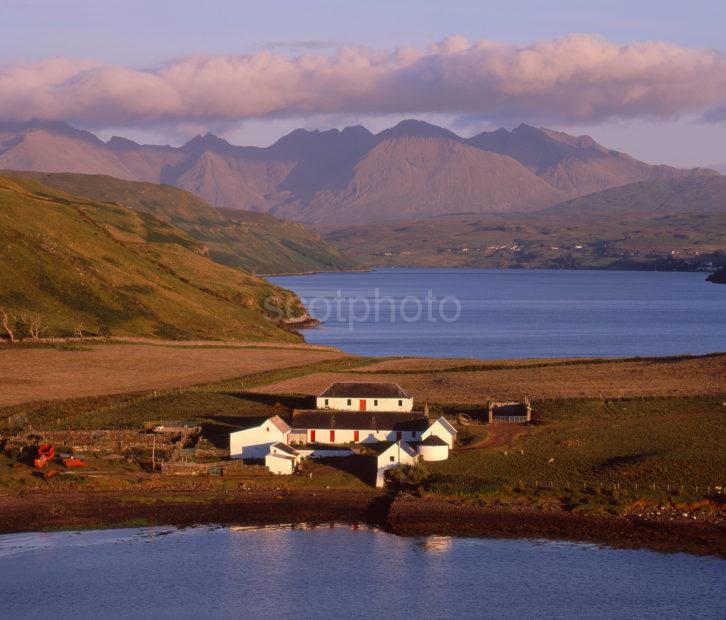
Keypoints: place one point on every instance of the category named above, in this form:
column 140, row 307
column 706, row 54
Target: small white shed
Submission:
column 433, row 448
column 282, row 459
column 442, row 429
column 393, row 455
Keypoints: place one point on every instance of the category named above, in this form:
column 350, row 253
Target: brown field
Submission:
column 33, row 374
column 420, row 364
column 687, row 376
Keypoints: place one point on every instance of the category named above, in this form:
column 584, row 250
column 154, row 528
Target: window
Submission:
column 399, row 434
column 375, row 403
column 349, row 402
column 400, row 403
column 326, row 402
column 392, row 459
column 267, row 428
column 413, row 434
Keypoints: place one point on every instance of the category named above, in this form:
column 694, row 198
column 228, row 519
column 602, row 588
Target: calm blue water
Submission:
column 338, row 572
column 491, row 314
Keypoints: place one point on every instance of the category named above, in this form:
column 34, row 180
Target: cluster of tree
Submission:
column 22, row 326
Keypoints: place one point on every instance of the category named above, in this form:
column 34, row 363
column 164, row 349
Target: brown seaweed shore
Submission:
column 401, row 514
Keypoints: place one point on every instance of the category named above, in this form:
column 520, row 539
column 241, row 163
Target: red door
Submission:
column 312, row 436
column 332, row 436
column 362, row 405
column 356, row 436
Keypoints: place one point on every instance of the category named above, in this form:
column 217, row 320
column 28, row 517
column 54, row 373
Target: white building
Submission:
column 255, row 442
column 433, row 448
column 341, row 427
column 365, row 397
column 392, row 455
column 281, row 459
column 441, row 428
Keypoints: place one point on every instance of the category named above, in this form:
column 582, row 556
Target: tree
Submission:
column 35, row 326
column 7, row 321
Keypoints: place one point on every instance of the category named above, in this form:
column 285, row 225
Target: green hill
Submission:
column 257, row 242
column 74, row 262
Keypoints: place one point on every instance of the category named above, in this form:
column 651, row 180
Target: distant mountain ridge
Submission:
column 413, row 170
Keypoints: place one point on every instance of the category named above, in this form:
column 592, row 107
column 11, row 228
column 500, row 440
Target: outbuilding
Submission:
column 255, row 442
column 433, row 448
column 363, row 397
column 281, row 459
column 442, row 429
column 390, row 455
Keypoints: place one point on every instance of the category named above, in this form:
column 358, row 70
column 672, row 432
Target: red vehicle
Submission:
column 45, row 453
column 74, row 461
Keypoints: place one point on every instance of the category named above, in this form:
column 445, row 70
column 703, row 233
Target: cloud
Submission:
column 574, row 79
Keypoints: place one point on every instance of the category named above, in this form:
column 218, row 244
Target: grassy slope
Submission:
column 254, row 241
column 112, row 269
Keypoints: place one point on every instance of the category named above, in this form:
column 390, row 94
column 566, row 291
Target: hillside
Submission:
column 105, row 269
column 413, row 170
column 663, row 224
column 254, row 241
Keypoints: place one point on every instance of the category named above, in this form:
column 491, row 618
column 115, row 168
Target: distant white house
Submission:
column 282, row 459
column 363, row 397
column 255, row 442
column 390, row 455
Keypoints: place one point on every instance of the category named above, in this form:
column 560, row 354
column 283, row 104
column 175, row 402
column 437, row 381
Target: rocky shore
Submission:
column 405, row 515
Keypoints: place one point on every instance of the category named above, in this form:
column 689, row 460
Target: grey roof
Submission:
column 354, row 389
column 351, row 420
column 285, row 448
column 433, row 440
column 278, row 422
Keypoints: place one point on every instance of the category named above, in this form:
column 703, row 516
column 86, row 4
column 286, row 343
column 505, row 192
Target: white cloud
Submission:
column 574, row 79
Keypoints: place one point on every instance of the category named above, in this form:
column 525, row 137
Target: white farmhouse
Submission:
column 341, row 427
column 354, row 396
column 282, row 459
column 255, row 442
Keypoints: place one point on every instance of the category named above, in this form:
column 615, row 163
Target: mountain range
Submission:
column 411, row 171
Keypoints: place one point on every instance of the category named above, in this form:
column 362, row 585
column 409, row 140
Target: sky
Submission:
column 645, row 77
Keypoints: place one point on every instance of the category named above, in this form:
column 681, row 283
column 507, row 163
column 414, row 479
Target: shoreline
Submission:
column 402, row 514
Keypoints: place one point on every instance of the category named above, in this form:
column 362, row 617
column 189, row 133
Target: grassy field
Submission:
column 474, row 383
column 584, row 450
column 642, row 441
column 44, row 373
